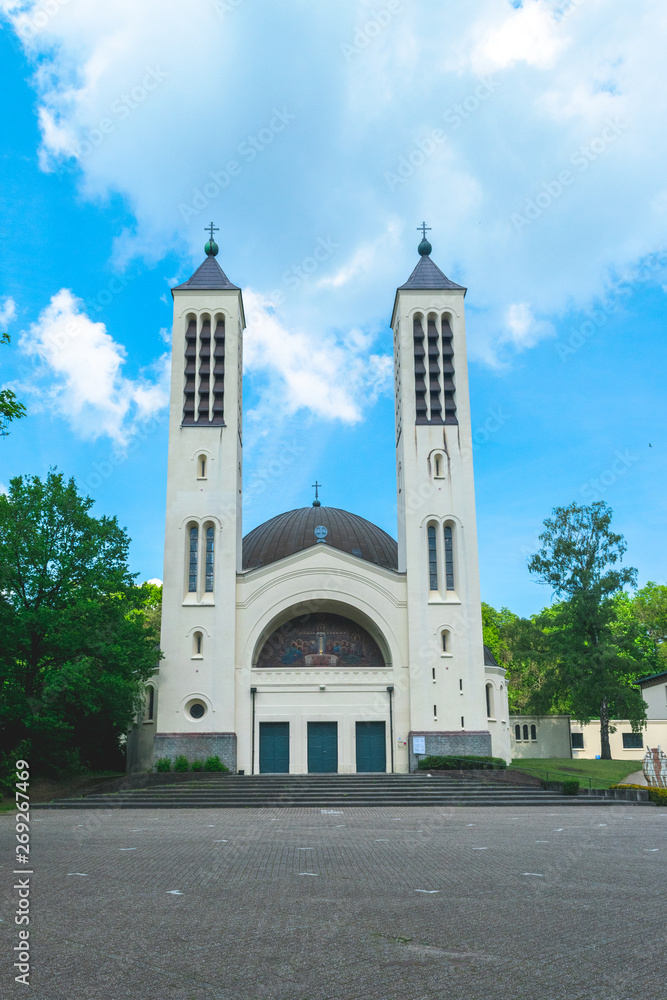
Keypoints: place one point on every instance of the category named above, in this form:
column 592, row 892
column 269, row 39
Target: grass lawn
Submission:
column 600, row 773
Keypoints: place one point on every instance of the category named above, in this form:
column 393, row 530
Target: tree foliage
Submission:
column 10, row 407
column 592, row 662
column 77, row 642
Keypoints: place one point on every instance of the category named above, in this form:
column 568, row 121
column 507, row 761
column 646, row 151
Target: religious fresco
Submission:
column 320, row 640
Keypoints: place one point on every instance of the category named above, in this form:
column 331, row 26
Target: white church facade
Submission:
column 317, row 642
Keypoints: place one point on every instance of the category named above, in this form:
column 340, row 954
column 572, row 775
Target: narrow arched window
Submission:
column 445, row 641
column 533, row 733
column 517, row 733
column 150, row 703
column 197, row 644
column 489, row 701
column 194, row 546
column 432, row 558
column 210, row 542
column 201, row 467
column 449, row 558
column 525, row 733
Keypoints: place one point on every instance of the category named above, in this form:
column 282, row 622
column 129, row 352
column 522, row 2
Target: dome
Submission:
column 295, row 530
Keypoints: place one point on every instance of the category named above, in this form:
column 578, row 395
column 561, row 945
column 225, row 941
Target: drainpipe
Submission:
column 390, row 692
column 253, row 692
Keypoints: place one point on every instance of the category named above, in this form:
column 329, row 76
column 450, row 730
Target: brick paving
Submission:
column 357, row 904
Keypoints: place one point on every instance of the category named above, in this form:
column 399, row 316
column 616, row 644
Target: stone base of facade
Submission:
column 196, row 746
column 455, row 744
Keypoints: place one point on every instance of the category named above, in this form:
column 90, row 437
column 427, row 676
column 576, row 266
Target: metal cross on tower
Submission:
column 316, row 487
column 211, row 229
column 424, row 229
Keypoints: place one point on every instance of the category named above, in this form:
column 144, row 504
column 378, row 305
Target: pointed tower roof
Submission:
column 428, row 276
column 208, row 275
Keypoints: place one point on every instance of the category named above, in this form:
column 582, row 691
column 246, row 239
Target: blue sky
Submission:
column 530, row 137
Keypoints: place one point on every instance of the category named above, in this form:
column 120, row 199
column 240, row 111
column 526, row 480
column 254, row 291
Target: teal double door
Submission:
column 322, row 747
column 371, row 746
column 274, row 748
column 370, row 738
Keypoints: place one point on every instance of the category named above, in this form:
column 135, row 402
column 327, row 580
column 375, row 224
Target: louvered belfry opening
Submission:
column 421, row 413
column 203, row 394
column 218, row 414
column 448, row 372
column 434, row 371
column 203, row 415
column 435, row 402
column 190, row 372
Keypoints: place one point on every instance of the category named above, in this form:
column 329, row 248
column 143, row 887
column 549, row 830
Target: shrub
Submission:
column 197, row 765
column 181, row 763
column 163, row 764
column 436, row 763
column 214, row 764
column 658, row 795
column 570, row 787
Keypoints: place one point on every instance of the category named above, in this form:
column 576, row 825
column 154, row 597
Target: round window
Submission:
column 197, row 710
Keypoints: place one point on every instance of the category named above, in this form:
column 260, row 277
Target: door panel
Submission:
column 371, row 746
column 322, row 747
column 274, row 747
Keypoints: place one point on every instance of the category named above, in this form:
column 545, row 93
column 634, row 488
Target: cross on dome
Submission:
column 316, row 487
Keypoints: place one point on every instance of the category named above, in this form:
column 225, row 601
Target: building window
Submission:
column 438, row 465
column 517, row 733
column 489, row 701
column 461, row 685
column 533, row 734
column 150, row 703
column 433, row 673
column 449, row 558
column 435, row 711
column 210, row 542
column 577, row 741
column 463, row 725
column 192, row 576
column 432, row 558
column 633, row 741
column 446, row 643
column 525, row 733
column 201, row 467
column 197, row 710
column 198, row 644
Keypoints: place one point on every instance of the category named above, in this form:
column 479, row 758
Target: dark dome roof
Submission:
column 291, row 532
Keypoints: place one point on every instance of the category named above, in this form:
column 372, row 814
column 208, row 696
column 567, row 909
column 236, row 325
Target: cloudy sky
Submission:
column 530, row 136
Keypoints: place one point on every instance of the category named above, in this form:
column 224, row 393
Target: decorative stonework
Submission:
column 655, row 767
column 457, row 744
column 196, row 746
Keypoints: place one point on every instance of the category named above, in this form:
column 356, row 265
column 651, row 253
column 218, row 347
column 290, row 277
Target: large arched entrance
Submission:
column 322, row 698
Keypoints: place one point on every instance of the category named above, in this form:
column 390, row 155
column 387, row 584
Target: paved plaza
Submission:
column 357, row 904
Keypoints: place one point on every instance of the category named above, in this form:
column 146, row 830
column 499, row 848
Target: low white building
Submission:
column 557, row 735
column 318, row 642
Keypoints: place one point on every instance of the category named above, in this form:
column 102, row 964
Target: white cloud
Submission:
column 335, row 378
column 121, row 89
column 7, row 311
column 78, row 374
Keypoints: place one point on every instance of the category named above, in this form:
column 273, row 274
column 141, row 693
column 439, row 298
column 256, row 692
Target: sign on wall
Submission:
column 419, row 744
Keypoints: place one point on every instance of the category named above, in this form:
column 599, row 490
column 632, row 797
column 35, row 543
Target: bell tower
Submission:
column 437, row 533
column 203, row 522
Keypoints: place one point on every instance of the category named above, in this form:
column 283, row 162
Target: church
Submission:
column 317, row 642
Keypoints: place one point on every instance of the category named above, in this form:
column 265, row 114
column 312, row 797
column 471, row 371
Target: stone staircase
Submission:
column 324, row 791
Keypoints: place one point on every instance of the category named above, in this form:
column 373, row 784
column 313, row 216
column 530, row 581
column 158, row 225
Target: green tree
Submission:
column 77, row 642
column 10, row 408
column 649, row 606
column 592, row 664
